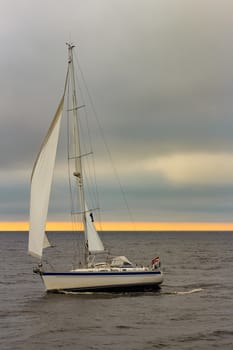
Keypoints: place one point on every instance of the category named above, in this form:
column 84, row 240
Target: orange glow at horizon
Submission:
column 126, row 226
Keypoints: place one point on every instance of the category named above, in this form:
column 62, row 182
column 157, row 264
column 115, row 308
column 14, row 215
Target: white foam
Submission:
column 196, row 290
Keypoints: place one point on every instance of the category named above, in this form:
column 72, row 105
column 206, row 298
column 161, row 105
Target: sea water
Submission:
column 192, row 310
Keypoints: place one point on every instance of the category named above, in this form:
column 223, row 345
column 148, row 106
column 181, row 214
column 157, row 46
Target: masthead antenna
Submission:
column 70, row 45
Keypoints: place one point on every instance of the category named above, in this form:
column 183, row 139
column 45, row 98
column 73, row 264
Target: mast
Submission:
column 78, row 173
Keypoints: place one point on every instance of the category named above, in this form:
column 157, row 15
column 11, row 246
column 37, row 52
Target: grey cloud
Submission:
column 160, row 74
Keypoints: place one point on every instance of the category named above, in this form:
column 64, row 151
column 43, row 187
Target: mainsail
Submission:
column 42, row 175
column 41, row 186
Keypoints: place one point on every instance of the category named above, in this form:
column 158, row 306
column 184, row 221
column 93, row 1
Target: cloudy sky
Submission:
column 160, row 73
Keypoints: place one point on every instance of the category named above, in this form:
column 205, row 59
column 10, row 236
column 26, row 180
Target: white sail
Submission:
column 94, row 242
column 46, row 243
column 41, row 185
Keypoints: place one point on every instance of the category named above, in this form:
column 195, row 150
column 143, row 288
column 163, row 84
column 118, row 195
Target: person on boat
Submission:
column 155, row 263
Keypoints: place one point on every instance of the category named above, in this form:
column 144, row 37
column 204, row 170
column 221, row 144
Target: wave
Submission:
column 195, row 290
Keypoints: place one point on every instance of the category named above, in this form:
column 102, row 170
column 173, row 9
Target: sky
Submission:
column 161, row 79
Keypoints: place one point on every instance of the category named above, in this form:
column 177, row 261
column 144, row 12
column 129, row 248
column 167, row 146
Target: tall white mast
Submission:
column 78, row 173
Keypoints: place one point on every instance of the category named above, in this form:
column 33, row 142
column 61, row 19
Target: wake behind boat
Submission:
column 113, row 273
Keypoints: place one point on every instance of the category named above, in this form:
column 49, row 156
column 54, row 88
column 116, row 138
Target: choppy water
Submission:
column 193, row 309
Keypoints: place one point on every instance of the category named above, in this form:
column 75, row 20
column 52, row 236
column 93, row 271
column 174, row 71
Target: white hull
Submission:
column 102, row 281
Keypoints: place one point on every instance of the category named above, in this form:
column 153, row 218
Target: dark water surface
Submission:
column 193, row 309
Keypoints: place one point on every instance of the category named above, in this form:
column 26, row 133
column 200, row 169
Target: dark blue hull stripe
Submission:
column 147, row 287
column 102, row 273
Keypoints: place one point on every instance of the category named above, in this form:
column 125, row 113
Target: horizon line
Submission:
column 123, row 226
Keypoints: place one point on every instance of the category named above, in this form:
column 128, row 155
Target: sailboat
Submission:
column 114, row 273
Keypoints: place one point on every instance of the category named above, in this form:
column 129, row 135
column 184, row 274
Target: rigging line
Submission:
column 75, row 108
column 89, row 176
column 86, row 211
column 81, row 155
column 91, row 165
column 46, row 261
column 86, row 120
column 95, row 193
column 106, row 144
column 77, row 256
